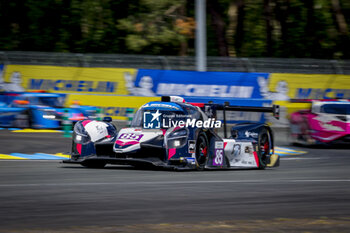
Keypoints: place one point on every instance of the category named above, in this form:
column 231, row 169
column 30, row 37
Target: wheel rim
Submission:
column 203, row 151
column 264, row 147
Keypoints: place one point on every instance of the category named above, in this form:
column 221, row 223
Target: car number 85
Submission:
column 131, row 136
column 219, row 157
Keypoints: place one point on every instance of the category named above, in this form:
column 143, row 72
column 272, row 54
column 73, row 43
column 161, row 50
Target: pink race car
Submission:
column 328, row 121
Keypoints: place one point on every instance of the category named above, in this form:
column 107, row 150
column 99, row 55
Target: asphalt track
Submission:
column 307, row 193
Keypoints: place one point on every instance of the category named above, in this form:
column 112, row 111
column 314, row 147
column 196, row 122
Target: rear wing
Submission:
column 210, row 110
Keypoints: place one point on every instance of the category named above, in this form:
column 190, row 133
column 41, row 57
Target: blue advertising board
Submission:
column 198, row 84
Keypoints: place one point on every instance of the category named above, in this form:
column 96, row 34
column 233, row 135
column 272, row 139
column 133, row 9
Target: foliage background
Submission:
column 242, row 28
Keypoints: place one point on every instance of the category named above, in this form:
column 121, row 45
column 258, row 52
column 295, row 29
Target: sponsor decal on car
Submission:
column 219, row 154
column 191, row 146
column 191, row 160
column 251, row 134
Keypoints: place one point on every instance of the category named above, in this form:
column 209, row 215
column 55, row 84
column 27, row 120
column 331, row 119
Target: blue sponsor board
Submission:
column 237, row 88
column 199, row 84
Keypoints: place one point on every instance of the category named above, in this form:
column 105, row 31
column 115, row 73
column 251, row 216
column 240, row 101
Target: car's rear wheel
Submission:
column 23, row 120
column 264, row 148
column 202, row 147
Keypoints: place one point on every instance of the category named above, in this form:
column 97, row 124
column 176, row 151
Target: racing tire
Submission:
column 23, row 120
column 202, row 147
column 264, row 147
column 95, row 164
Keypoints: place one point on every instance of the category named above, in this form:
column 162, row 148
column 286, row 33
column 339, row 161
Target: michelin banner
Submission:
column 66, row 79
column 112, row 88
column 305, row 86
column 143, row 82
column 274, row 86
column 193, row 83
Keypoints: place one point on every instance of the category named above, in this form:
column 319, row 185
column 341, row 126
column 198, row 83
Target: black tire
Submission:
column 23, row 120
column 264, row 148
column 94, row 164
column 202, row 147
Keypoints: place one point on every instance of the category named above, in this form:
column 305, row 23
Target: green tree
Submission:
column 162, row 28
column 242, row 28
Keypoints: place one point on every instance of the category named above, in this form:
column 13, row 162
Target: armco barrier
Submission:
column 227, row 64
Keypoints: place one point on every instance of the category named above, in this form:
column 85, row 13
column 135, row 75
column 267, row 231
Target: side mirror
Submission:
column 107, row 119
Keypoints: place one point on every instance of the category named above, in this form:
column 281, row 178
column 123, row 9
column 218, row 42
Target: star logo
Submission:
column 152, row 120
column 156, row 116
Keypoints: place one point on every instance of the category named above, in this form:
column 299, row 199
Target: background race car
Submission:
column 40, row 110
column 326, row 121
column 179, row 135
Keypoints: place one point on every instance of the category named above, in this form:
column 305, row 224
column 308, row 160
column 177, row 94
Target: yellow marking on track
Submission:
column 62, row 155
column 288, row 153
column 291, row 150
column 285, row 153
column 273, row 160
column 3, row 156
column 36, row 131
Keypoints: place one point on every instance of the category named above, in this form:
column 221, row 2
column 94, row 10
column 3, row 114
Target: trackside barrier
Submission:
column 117, row 90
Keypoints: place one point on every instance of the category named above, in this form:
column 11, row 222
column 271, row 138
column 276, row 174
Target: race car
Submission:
column 178, row 135
column 39, row 110
column 326, row 122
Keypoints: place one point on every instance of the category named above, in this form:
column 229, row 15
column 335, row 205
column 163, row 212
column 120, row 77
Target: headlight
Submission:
column 81, row 139
column 50, row 117
column 78, row 137
column 48, row 114
column 177, row 138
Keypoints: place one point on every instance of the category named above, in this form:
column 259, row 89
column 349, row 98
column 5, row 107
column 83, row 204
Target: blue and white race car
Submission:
column 39, row 110
column 179, row 135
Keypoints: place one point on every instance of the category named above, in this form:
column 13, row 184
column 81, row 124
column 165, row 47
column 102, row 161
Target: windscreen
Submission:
column 49, row 101
column 343, row 109
column 55, row 102
column 164, row 117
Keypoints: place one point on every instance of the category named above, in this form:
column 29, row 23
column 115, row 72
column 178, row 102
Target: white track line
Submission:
column 173, row 182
